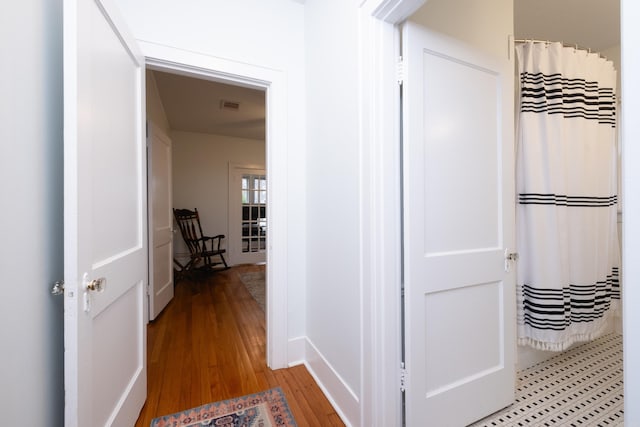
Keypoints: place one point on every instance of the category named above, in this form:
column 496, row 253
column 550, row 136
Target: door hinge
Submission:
column 58, row 288
column 403, row 378
column 400, row 70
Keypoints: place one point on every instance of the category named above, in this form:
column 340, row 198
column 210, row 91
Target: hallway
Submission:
column 209, row 344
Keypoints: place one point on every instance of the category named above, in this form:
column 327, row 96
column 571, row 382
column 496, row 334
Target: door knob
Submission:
column 509, row 258
column 97, row 285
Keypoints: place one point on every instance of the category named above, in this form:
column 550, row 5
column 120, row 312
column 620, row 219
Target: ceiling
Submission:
column 591, row 24
column 194, row 105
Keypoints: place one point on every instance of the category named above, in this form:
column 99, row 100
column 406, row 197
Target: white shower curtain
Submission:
column 568, row 286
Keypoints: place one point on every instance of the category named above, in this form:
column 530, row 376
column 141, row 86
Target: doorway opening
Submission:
column 449, row 24
column 270, row 85
column 206, row 128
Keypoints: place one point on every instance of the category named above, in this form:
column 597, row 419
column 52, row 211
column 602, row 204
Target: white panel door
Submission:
column 105, row 219
column 458, row 221
column 160, row 221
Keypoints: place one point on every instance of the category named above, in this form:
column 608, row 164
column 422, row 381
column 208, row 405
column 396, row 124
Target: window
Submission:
column 254, row 215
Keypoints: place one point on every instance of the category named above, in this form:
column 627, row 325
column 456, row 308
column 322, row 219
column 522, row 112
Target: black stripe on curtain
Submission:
column 556, row 309
column 554, row 94
column 564, row 200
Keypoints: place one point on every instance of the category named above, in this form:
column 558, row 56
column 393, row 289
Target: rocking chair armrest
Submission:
column 218, row 237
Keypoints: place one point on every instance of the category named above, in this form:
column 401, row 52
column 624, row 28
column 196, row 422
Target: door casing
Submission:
column 273, row 82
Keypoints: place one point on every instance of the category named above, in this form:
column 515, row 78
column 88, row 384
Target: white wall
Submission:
column 201, row 176
column 630, row 16
column 266, row 34
column 466, row 19
column 31, row 325
column 333, row 187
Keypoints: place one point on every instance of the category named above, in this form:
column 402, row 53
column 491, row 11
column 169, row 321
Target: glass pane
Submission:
column 254, row 222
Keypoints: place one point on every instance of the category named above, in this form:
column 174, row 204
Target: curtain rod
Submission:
column 575, row 46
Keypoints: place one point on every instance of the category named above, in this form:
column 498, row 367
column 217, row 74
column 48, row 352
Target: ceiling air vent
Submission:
column 229, row 105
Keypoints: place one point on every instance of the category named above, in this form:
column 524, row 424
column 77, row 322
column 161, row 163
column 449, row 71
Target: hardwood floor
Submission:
column 209, row 344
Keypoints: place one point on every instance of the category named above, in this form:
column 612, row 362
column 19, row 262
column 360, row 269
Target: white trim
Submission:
column 380, row 204
column 630, row 13
column 393, row 11
column 275, row 84
column 334, row 387
column 297, row 351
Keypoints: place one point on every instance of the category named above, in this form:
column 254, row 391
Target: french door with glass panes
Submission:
column 247, row 215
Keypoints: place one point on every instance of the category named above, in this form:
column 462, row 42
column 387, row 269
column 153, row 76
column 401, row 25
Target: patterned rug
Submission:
column 255, row 284
column 265, row 409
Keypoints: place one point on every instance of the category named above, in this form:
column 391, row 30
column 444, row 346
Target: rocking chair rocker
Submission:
column 204, row 251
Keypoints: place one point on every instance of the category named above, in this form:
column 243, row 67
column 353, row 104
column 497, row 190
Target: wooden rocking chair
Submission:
column 204, row 251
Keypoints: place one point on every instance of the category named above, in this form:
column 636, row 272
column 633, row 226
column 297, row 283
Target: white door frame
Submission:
column 629, row 16
column 273, row 82
column 380, row 213
column 380, row 210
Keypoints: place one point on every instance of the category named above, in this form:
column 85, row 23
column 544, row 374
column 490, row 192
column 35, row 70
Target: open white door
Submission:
column 458, row 223
column 105, row 220
column 160, row 220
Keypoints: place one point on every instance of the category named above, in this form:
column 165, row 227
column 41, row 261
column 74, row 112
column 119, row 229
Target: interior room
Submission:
column 215, row 129
column 78, row 265
column 215, row 134
column 573, row 24
column 592, row 26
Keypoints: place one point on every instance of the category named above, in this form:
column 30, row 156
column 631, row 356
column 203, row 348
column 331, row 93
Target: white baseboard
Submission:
column 296, row 351
column 337, row 391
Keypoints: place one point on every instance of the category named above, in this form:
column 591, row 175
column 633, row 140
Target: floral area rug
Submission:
column 265, row 409
column 255, row 284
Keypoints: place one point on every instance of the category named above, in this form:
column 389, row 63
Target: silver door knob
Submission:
column 97, row 285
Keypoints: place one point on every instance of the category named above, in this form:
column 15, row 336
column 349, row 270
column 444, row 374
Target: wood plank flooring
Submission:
column 209, row 344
